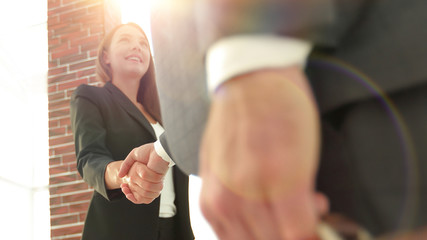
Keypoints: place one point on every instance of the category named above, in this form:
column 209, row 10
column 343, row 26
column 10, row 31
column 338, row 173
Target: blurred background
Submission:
column 47, row 49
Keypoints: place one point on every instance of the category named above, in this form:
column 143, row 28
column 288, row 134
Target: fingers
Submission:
column 127, row 164
column 137, row 194
column 142, row 185
column 137, row 200
column 222, row 218
column 144, row 172
column 233, row 216
column 139, row 154
column 147, row 186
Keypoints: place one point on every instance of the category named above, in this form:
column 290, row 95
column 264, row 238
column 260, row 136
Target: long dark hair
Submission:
column 147, row 92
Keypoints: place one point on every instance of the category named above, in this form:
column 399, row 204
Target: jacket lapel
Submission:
column 129, row 107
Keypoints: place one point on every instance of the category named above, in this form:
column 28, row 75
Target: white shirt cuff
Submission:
column 236, row 55
column 162, row 153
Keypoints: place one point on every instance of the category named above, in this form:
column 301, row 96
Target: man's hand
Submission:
column 144, row 171
column 259, row 158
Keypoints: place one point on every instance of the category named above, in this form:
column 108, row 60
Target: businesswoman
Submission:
column 108, row 122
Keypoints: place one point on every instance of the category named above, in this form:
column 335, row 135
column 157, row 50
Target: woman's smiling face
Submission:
column 128, row 54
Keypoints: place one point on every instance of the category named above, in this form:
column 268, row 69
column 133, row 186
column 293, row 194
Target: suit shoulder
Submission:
column 88, row 91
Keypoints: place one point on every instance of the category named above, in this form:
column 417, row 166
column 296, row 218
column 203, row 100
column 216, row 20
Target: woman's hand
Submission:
column 143, row 172
column 142, row 185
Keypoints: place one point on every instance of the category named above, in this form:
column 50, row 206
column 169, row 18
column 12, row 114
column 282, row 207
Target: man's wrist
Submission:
column 162, row 153
column 237, row 55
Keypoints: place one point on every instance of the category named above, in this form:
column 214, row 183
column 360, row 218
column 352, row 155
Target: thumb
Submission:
column 139, row 154
column 156, row 162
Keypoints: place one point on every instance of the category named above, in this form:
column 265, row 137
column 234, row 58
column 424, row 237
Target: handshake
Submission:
column 142, row 174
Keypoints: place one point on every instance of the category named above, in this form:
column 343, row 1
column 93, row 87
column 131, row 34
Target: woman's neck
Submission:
column 129, row 87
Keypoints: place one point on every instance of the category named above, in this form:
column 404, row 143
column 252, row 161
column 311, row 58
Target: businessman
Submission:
column 306, row 99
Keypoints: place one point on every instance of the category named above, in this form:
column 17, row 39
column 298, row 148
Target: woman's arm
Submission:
column 93, row 157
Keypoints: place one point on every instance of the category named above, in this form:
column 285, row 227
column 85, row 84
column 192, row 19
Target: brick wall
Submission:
column 75, row 27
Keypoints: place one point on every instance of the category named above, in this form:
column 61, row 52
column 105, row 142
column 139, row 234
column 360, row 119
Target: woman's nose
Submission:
column 136, row 46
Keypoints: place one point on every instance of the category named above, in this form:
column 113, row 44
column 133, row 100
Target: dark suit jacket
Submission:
column 107, row 126
column 368, row 74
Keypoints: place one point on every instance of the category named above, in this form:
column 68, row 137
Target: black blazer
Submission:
column 106, row 127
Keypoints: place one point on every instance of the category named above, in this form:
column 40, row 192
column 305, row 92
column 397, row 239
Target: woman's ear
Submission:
column 105, row 57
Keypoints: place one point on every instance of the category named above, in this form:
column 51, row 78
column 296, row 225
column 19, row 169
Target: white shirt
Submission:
column 236, row 55
column 167, row 197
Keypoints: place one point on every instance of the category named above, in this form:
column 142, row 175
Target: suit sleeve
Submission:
column 89, row 138
column 164, row 143
column 323, row 22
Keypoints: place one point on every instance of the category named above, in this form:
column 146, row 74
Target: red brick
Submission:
column 66, row 231
column 54, row 123
column 86, row 40
column 57, row 45
column 59, row 104
column 53, row 3
column 61, row 28
column 65, row 52
column 57, row 131
column 85, row 64
column 65, row 122
column 93, row 53
column 61, row 140
column 89, row 4
column 82, row 216
column 69, row 188
column 54, row 161
column 56, row 221
column 58, row 210
column 69, row 158
column 70, row 92
column 72, row 58
column 80, row 207
column 56, row 71
column 61, row 78
column 88, row 47
column 78, row 197
column 69, row 130
column 94, row 79
column 96, row 30
column 63, row 179
column 69, row 238
column 71, row 84
column 87, row 72
column 74, row 35
column 72, row 16
column 59, row 113
column 59, row 10
column 53, row 63
column 56, row 96
column 52, row 88
column 52, row 20
column 64, row 149
column 75, row 27
column 58, row 170
column 90, row 18
column 55, row 201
